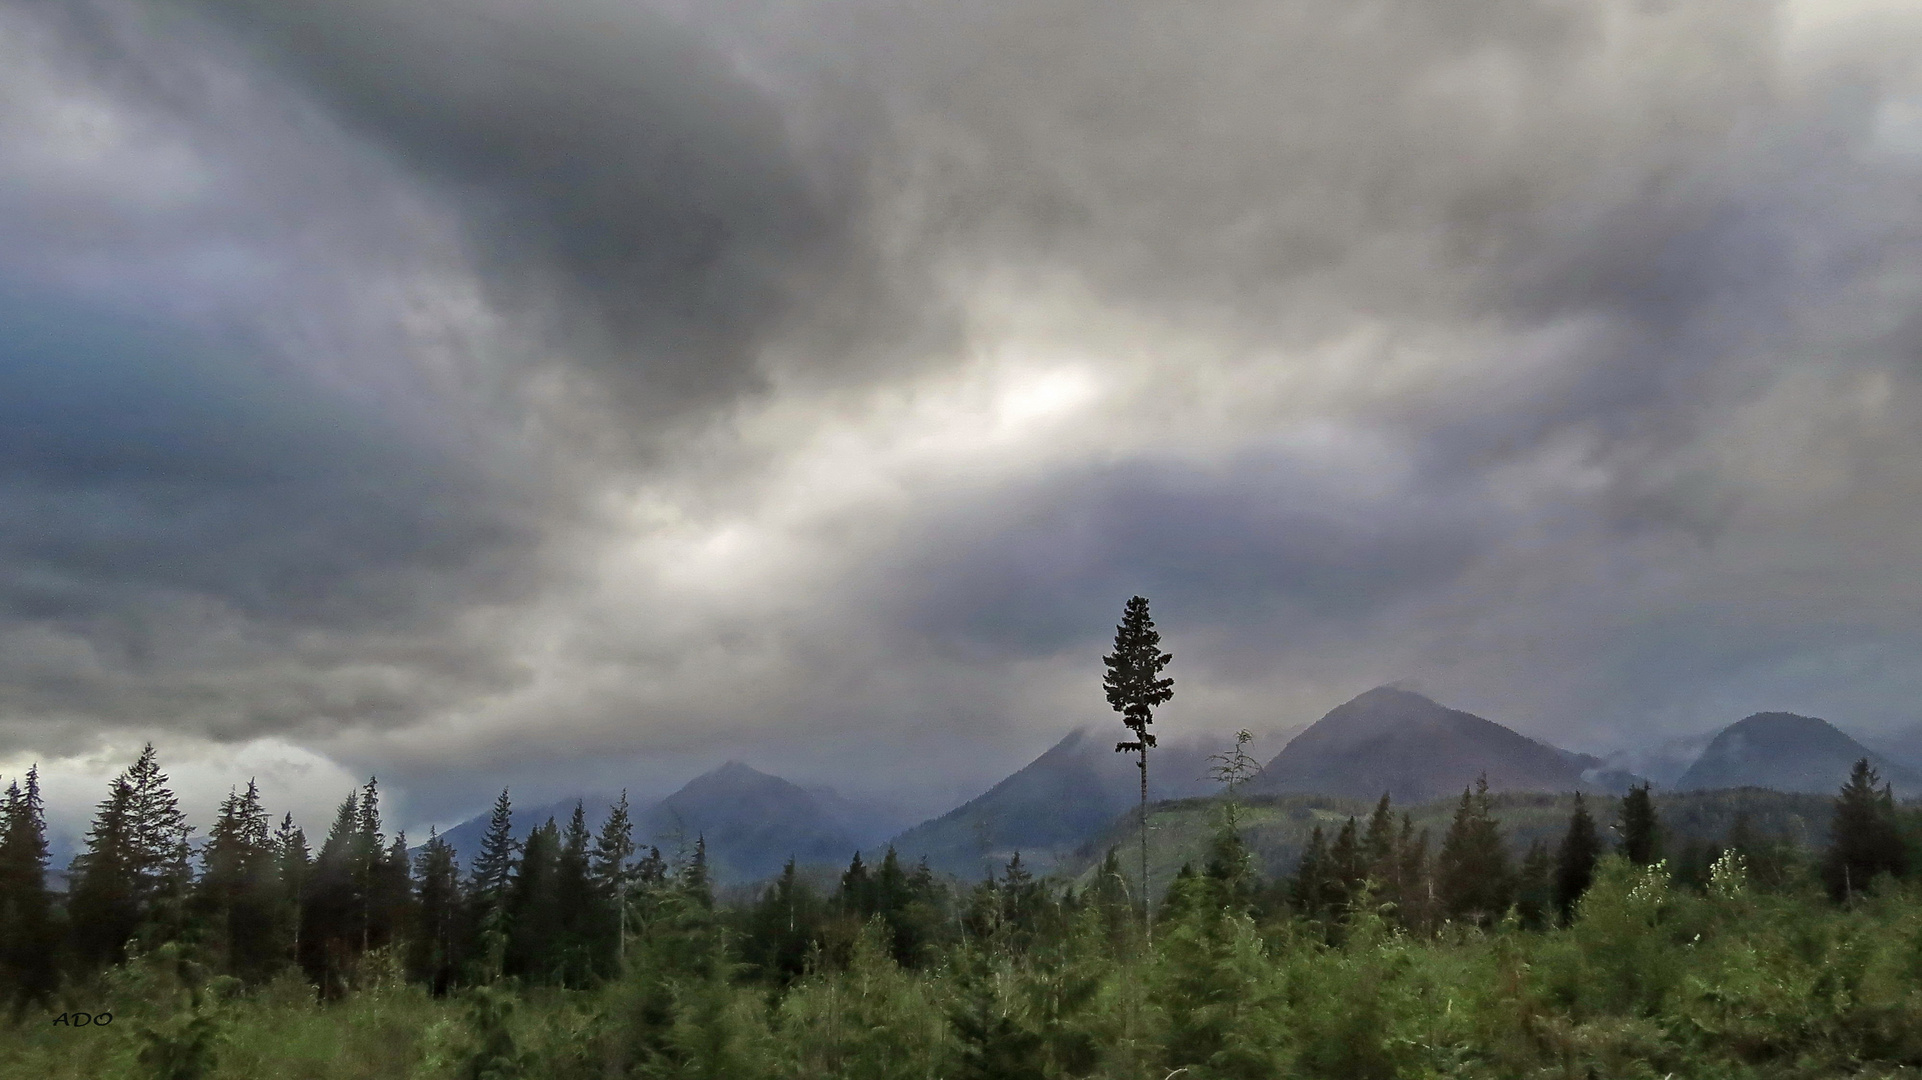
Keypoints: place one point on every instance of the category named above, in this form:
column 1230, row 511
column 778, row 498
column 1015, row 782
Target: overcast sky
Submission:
column 580, row 393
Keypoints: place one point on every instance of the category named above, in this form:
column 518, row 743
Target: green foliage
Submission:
column 1742, row 967
column 1473, row 878
column 1865, row 836
column 132, row 879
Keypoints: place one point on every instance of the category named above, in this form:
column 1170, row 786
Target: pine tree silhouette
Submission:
column 435, row 954
column 1641, row 832
column 1575, row 861
column 1134, row 687
column 27, row 972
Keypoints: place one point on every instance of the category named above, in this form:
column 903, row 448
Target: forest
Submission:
column 1384, row 953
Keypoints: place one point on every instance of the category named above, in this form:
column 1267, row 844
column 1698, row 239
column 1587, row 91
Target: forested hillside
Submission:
column 1742, row 933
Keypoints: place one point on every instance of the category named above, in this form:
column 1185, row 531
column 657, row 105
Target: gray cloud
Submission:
column 670, row 363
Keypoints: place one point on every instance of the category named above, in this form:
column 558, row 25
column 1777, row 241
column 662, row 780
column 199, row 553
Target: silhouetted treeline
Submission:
column 575, row 905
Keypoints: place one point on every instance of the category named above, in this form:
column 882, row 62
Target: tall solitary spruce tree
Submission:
column 1134, row 688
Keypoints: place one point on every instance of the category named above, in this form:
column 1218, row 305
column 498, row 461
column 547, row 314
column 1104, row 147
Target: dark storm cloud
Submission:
column 1244, row 546
column 1585, row 326
column 159, row 494
column 621, row 182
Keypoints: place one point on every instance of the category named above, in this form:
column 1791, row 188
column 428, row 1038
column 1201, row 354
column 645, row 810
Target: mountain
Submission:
column 1399, row 742
column 1055, row 803
column 1787, row 752
column 754, row 822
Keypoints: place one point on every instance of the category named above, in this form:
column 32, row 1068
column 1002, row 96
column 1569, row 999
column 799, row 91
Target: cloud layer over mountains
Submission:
column 581, row 393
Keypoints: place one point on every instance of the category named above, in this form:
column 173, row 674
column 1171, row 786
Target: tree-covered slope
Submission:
column 1787, row 752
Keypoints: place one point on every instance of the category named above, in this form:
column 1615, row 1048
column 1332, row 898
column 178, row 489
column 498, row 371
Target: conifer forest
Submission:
column 255, row 952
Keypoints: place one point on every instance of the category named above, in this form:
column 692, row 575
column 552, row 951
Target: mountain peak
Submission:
column 1394, row 740
column 1787, row 752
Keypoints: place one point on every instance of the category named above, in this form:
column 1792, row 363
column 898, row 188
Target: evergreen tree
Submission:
column 1535, row 888
column 333, row 903
column 392, row 898
column 1314, row 879
column 27, row 971
column 610, row 875
column 1472, row 875
column 1022, row 904
column 1107, row 895
column 781, row 929
column 293, row 864
column 1134, row 687
column 487, row 887
column 576, row 914
column 1575, row 861
column 1378, row 846
column 160, row 832
column 993, row 1042
column 238, row 893
column 103, row 901
column 856, row 895
column 1414, row 890
column 533, row 911
column 133, row 876
column 1865, row 836
column 435, row 955
column 1347, row 864
column 696, row 883
column 1641, row 832
column 383, row 872
column 1230, row 870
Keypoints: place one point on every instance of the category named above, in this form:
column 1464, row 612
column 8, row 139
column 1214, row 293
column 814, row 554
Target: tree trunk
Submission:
column 1147, row 919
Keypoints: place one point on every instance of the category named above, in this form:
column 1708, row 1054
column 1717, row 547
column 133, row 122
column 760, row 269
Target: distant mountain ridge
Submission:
column 1786, row 752
column 1415, row 750
column 752, row 823
column 1047, row 808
